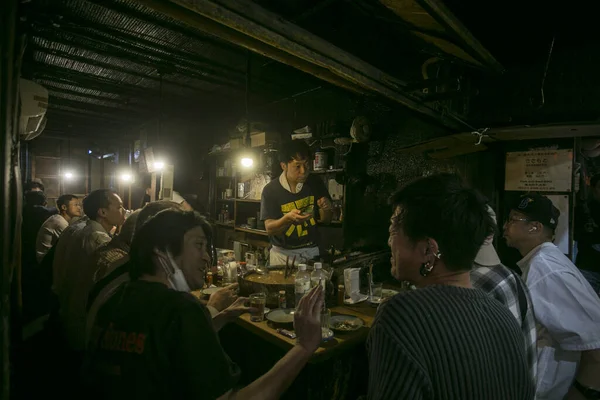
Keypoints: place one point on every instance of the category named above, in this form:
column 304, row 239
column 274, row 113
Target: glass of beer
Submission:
column 257, row 302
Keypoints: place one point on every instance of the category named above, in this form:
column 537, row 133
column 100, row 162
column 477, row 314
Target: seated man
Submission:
column 566, row 308
column 69, row 207
column 153, row 340
column 491, row 276
column 115, row 253
column 445, row 339
column 104, row 208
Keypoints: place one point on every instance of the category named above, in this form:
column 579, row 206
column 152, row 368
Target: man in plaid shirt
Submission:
column 506, row 286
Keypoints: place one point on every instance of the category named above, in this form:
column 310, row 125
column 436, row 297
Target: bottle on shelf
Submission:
column 226, row 214
column 282, row 302
column 301, row 283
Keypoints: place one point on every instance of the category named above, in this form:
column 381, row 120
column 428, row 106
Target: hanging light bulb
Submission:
column 247, row 162
column 126, row 177
column 68, row 175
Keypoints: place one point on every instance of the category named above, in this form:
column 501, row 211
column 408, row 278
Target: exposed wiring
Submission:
column 481, row 133
column 543, row 101
column 349, row 149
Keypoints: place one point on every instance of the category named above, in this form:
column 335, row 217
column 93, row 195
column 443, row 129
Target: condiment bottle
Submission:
column 209, row 279
column 219, row 275
column 282, row 301
column 340, row 293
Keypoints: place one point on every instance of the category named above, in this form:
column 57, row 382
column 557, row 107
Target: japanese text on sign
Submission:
column 542, row 171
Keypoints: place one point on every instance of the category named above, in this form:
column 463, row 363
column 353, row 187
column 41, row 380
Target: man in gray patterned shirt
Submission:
column 491, row 276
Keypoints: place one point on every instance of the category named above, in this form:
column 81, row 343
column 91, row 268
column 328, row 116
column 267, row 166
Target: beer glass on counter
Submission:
column 257, row 304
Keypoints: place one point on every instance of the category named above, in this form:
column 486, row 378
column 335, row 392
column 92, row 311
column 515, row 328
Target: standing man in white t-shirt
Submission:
column 69, row 207
column 566, row 309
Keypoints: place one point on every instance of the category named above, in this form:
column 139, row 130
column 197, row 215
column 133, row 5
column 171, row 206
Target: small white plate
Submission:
column 281, row 315
column 353, row 323
column 360, row 299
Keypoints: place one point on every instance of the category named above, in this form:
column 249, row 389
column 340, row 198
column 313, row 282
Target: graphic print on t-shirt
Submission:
column 306, row 205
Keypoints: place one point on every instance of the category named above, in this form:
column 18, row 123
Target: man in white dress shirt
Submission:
column 566, row 308
column 69, row 207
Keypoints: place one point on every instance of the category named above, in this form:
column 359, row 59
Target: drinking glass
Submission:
column 257, row 302
column 376, row 292
column 325, row 317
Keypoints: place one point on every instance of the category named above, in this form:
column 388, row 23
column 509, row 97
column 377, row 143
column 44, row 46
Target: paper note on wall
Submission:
column 561, row 239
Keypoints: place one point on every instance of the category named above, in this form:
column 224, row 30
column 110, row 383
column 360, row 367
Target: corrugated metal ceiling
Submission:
column 116, row 58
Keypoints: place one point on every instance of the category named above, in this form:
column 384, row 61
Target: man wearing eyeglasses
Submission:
column 567, row 311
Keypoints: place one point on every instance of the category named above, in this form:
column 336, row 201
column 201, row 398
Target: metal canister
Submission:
column 320, row 162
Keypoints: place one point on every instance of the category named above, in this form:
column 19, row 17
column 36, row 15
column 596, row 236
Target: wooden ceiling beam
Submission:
column 100, row 111
column 207, row 25
column 249, row 25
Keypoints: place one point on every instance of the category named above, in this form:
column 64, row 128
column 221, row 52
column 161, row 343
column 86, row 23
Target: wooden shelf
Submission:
column 255, row 231
column 225, row 200
column 247, row 201
column 327, row 171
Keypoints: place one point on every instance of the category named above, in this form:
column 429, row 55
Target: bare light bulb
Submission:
column 68, row 175
column 247, row 162
column 158, row 165
column 126, row 177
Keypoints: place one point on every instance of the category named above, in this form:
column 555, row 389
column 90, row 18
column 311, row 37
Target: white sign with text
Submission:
column 539, row 171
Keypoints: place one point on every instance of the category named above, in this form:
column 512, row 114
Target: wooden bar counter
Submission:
column 337, row 370
column 339, row 343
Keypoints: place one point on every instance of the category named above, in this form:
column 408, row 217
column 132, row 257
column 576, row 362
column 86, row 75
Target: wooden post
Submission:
column 448, row 20
column 153, row 187
column 129, row 196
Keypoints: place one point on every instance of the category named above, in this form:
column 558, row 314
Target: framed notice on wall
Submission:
column 539, row 171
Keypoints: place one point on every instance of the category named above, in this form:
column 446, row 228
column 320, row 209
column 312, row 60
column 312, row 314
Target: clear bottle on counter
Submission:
column 219, row 276
column 318, row 276
column 282, row 301
column 301, row 283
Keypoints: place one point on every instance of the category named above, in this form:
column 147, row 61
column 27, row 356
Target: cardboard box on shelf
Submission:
column 237, row 143
column 261, row 138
